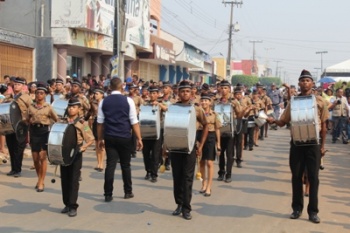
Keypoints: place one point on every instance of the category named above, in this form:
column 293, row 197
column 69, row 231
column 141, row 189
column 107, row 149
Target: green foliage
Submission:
column 339, row 84
column 269, row 80
column 246, row 80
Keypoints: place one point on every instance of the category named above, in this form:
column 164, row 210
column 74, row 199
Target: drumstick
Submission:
column 53, row 180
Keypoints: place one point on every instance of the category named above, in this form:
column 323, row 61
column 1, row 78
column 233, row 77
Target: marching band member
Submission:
column 211, row 144
column 226, row 141
column 100, row 152
column 15, row 147
column 183, row 165
column 238, row 134
column 306, row 155
column 152, row 148
column 134, row 95
column 70, row 174
column 40, row 117
column 60, row 87
column 76, row 93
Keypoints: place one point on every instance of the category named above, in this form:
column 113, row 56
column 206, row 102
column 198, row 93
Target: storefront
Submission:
column 82, row 33
column 17, row 55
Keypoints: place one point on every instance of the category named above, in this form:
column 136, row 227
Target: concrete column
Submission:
column 95, row 64
column 62, row 63
column 106, row 65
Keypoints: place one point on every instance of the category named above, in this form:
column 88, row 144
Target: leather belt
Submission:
column 39, row 125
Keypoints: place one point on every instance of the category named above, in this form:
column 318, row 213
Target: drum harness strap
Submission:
column 73, row 123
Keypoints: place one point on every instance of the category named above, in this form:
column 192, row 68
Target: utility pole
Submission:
column 321, row 52
column 253, row 65
column 267, row 62
column 276, row 74
column 228, row 61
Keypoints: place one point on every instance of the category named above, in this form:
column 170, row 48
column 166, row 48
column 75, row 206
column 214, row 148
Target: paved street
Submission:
column 258, row 199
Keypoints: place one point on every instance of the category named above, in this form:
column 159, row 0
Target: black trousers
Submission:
column 16, row 150
column 152, row 150
column 237, row 142
column 227, row 146
column 249, row 137
column 117, row 148
column 134, row 144
column 299, row 158
column 70, row 182
column 183, row 166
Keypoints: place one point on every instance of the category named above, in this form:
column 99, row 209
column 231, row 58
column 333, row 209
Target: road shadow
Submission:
column 259, row 191
column 233, row 211
column 17, row 229
column 129, row 208
column 22, row 208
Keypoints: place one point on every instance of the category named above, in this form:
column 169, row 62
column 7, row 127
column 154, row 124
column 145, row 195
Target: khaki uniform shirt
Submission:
column 138, row 102
column 196, row 100
column 85, row 104
column 23, row 100
column 44, row 115
column 259, row 106
column 84, row 132
column 212, row 121
column 322, row 112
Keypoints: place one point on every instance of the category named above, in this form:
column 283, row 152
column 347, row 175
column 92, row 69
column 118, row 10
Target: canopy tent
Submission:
column 339, row 72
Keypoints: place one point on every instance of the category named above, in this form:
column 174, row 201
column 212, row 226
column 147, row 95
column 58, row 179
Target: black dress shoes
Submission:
column 108, row 198
column 178, row 210
column 11, row 173
column 147, row 176
column 220, row 178
column 296, row 214
column 314, row 218
column 65, row 210
column 128, row 195
column 72, row 213
column 187, row 215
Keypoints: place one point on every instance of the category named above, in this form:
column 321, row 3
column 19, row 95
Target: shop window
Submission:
column 74, row 66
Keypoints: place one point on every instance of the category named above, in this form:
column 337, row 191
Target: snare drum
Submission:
column 60, row 107
column 180, row 128
column 260, row 120
column 10, row 115
column 225, row 114
column 150, row 122
column 62, row 144
column 304, row 120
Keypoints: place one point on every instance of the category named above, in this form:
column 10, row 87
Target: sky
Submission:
column 291, row 31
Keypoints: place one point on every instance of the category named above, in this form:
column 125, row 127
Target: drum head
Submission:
column 21, row 131
column 15, row 114
column 69, row 144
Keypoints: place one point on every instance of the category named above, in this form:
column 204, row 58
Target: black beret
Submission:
column 205, row 96
column 76, row 82
column 99, row 90
column 59, row 80
column 184, row 84
column 224, row 83
column 41, row 86
column 205, row 87
column 153, row 89
column 74, row 101
column 19, row 80
column 305, row 74
column 167, row 84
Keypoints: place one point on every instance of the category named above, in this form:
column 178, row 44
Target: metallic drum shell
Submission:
column 180, row 128
column 149, row 119
column 60, row 106
column 10, row 115
column 225, row 114
column 304, row 120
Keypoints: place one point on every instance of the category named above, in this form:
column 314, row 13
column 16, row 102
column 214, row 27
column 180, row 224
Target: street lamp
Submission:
column 321, row 52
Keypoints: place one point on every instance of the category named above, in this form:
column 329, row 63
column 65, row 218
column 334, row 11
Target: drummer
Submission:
column 60, row 90
column 134, row 95
column 76, row 93
column 70, row 174
column 211, row 145
column 306, row 155
column 40, row 117
column 166, row 100
column 226, row 140
column 183, row 165
column 152, row 148
column 15, row 147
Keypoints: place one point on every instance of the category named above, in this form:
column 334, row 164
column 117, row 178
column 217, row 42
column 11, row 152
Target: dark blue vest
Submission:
column 116, row 111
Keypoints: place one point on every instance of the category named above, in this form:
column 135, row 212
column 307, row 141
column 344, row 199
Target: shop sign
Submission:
column 95, row 15
column 17, row 38
column 82, row 38
column 164, row 54
column 137, row 17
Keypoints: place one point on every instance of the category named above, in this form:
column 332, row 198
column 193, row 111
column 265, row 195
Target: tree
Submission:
column 246, row 80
